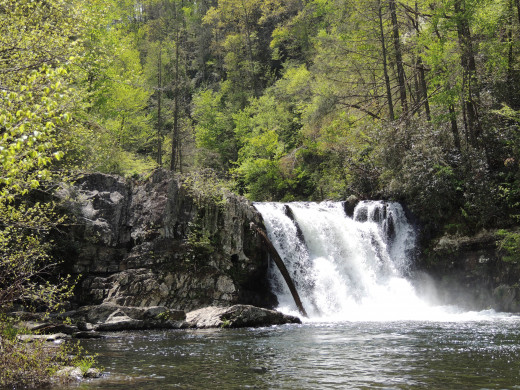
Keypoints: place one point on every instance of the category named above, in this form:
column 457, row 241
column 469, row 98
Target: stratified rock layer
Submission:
column 158, row 243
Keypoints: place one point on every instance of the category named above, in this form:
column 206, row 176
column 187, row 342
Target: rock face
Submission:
column 469, row 272
column 237, row 316
column 159, row 243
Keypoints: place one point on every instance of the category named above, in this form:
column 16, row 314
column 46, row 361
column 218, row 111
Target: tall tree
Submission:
column 36, row 100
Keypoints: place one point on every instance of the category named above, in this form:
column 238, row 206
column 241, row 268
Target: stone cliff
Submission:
column 471, row 272
column 160, row 242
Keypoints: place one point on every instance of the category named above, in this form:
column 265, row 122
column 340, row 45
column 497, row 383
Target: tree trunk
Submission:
column 420, row 67
column 454, row 127
column 510, row 57
column 385, row 65
column 159, row 107
column 175, row 130
column 254, row 84
column 281, row 266
column 401, row 77
column 471, row 95
column 518, row 10
column 424, row 88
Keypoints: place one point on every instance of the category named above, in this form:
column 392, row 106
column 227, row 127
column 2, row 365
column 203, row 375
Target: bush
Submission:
column 509, row 245
column 34, row 363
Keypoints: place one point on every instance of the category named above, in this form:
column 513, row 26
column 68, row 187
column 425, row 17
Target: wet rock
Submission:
column 34, row 326
column 362, row 214
column 59, row 328
column 92, row 373
column 350, row 204
column 85, row 326
column 110, row 317
column 45, row 337
column 507, row 298
column 469, row 272
column 88, row 335
column 69, row 374
column 119, row 321
column 237, row 316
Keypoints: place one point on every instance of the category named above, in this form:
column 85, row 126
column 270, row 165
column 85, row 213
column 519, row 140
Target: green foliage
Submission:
column 214, row 129
column 75, row 355
column 33, row 364
column 38, row 46
column 416, row 101
column 225, row 324
column 265, row 130
column 25, row 364
column 115, row 95
column 199, row 245
column 207, row 186
column 30, row 119
column 509, row 245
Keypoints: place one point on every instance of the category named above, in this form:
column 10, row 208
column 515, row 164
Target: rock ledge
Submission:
column 237, row 316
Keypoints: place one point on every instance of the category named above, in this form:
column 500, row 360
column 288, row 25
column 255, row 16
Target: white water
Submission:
column 350, row 269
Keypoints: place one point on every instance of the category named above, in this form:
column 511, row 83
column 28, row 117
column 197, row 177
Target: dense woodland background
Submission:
column 413, row 100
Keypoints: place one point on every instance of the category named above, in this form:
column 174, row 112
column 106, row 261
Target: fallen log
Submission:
column 281, row 266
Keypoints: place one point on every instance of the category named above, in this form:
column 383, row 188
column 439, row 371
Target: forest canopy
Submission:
column 416, row 100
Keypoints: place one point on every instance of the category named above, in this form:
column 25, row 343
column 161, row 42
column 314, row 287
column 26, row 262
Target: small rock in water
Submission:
column 88, row 335
column 92, row 373
column 50, row 337
column 70, row 373
column 259, row 370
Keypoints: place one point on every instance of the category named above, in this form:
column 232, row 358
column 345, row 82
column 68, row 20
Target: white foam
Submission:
column 351, row 269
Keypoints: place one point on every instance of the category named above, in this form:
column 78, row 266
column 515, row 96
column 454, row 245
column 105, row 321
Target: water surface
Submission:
column 358, row 355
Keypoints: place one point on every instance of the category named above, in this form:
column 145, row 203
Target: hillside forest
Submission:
column 412, row 100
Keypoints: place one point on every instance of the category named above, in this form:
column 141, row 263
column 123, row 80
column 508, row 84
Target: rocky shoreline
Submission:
column 93, row 321
column 99, row 321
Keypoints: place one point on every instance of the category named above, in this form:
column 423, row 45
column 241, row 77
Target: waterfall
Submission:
column 345, row 268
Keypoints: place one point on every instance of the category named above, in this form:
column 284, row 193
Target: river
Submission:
column 477, row 354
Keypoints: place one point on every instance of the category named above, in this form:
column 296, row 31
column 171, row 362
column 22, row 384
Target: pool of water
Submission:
column 482, row 354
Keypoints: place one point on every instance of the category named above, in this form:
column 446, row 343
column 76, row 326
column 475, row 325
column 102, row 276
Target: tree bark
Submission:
column 390, row 103
column 454, row 127
column 175, row 130
column 424, row 89
column 401, row 76
column 254, row 84
column 159, row 107
column 518, row 10
column 420, row 67
column 471, row 95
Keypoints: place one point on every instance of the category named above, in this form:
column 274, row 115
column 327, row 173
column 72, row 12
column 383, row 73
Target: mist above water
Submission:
column 351, row 268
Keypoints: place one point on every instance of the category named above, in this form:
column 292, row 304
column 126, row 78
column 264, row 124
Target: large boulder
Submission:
column 237, row 316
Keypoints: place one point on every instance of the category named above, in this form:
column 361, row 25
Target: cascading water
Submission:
column 345, row 268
